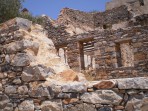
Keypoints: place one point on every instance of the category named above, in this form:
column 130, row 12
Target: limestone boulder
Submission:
column 75, row 87
column 133, row 83
column 102, row 97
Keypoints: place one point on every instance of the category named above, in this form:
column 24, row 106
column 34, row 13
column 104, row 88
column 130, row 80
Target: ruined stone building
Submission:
column 40, row 65
column 113, row 43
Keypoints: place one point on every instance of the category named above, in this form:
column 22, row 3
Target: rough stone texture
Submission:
column 50, row 106
column 105, row 85
column 26, row 106
column 34, row 78
column 102, row 97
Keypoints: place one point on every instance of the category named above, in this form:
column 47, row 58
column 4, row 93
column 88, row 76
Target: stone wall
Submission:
column 138, row 7
column 113, row 58
column 29, row 79
column 107, row 18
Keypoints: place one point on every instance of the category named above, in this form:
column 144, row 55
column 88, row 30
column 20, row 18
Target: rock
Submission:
column 68, row 75
column 8, row 107
column 4, row 99
column 50, row 106
column 39, row 92
column 133, row 83
column 17, row 81
column 26, row 105
column 102, row 97
column 66, row 95
column 21, row 59
column 81, row 107
column 74, row 87
column 70, row 101
column 22, row 90
column 89, row 107
column 105, row 109
column 10, row 89
column 14, row 47
column 23, row 23
column 144, row 106
column 1, row 87
column 105, row 85
column 33, row 73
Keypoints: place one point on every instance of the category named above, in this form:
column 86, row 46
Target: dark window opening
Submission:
column 124, row 54
column 118, row 55
column 141, row 2
column 86, row 51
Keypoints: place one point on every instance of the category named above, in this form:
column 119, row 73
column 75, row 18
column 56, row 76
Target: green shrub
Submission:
column 9, row 9
column 34, row 19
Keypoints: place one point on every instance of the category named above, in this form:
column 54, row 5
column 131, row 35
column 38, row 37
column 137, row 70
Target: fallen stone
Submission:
column 26, row 105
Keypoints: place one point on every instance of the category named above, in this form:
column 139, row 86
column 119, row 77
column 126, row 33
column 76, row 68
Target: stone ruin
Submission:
column 40, row 66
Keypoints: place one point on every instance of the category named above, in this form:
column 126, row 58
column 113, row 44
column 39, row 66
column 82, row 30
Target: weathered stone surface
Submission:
column 144, row 106
column 23, row 89
column 70, row 101
column 4, row 99
column 9, row 107
column 104, row 85
column 74, row 87
column 104, row 109
column 69, row 75
column 23, row 23
column 10, row 89
column 21, row 59
column 81, row 107
column 39, row 92
column 26, row 105
column 17, row 81
column 102, row 97
column 133, row 83
column 35, row 73
column 50, row 106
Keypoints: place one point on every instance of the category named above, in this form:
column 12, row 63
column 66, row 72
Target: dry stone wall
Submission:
column 109, row 60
